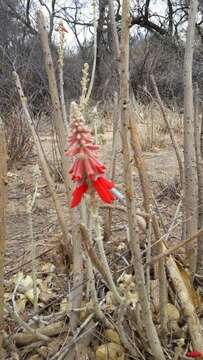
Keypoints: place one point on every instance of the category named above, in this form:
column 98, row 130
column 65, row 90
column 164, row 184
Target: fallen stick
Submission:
column 174, row 248
column 25, row 338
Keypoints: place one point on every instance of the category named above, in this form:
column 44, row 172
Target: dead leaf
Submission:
column 112, row 336
column 126, row 279
column 128, row 288
column 18, row 277
column 35, row 357
column 30, row 296
column 21, row 303
column 7, row 296
column 26, row 283
column 48, row 267
column 110, row 351
column 121, row 246
column 46, row 294
column 132, row 298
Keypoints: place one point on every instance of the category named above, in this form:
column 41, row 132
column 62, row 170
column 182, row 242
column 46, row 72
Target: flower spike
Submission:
column 87, row 171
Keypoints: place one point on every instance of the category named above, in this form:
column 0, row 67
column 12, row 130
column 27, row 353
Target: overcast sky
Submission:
column 86, row 14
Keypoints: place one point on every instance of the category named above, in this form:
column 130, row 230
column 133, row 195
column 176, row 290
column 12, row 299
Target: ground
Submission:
column 163, row 172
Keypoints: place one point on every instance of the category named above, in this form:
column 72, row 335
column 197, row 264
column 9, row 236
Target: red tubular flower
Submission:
column 194, row 354
column 86, row 170
column 78, row 194
column 103, row 188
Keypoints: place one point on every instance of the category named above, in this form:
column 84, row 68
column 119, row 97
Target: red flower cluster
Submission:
column 87, row 171
column 194, row 354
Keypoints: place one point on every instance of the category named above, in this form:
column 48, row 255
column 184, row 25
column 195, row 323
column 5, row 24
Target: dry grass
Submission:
column 153, row 129
column 19, row 141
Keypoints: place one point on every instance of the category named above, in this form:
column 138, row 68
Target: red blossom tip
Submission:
column 78, row 194
column 103, row 187
column 194, row 354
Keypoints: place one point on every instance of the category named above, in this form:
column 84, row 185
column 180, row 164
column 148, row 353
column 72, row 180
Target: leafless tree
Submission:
column 190, row 195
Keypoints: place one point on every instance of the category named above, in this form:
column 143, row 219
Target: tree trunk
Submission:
column 61, row 134
column 190, row 186
column 3, row 201
column 148, row 324
column 100, row 44
column 58, row 117
column 199, row 159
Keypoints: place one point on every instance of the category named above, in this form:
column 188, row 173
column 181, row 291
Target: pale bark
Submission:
column 179, row 285
column 60, row 130
column 114, row 31
column 194, row 325
column 112, row 170
column 190, row 184
column 169, row 251
column 58, row 117
column 148, row 206
column 76, row 293
column 199, row 160
column 62, row 97
column 87, row 97
column 150, row 329
column 3, row 202
column 49, row 330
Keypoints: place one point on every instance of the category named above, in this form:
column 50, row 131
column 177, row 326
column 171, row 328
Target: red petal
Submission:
column 103, row 187
column 72, row 169
column 194, row 354
column 97, row 164
column 89, row 168
column 78, row 170
column 78, row 194
column 110, row 184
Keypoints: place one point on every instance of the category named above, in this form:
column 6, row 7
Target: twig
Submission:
column 100, row 265
column 176, row 247
column 148, row 206
column 99, row 241
column 53, row 329
column 3, row 202
column 134, row 351
column 91, row 279
column 174, row 220
column 148, row 256
column 77, row 337
column 95, row 56
column 61, row 77
column 112, row 170
column 148, row 323
column 30, row 204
